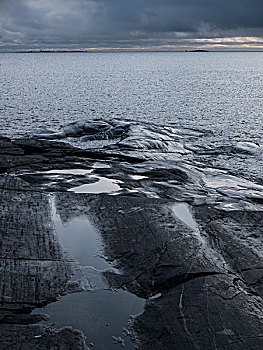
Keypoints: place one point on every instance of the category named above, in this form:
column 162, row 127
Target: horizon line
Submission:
column 121, row 51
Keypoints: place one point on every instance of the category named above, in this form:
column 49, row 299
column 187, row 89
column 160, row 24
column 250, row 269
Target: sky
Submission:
column 131, row 25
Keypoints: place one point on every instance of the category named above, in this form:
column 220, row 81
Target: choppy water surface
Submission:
column 215, row 92
column 219, row 91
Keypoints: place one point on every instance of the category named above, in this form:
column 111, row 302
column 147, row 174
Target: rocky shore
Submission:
column 185, row 238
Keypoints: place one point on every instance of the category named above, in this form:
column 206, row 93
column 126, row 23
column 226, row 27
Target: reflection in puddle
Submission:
column 99, row 315
column 98, row 165
column 70, row 171
column 138, row 177
column 103, row 185
column 81, row 239
column 181, row 210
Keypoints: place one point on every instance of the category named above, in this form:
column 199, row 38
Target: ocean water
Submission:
column 219, row 93
column 222, row 91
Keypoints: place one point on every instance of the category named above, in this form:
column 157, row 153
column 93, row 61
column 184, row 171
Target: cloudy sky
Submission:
column 131, row 24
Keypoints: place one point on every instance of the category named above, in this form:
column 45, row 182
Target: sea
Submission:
column 217, row 93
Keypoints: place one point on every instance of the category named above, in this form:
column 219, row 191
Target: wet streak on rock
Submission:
column 206, row 313
column 41, row 154
column 237, row 235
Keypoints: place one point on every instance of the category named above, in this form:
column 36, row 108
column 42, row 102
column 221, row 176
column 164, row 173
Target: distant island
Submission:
column 199, row 50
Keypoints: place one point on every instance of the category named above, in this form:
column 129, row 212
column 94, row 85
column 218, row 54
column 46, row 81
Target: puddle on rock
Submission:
column 103, row 185
column 181, row 210
column 81, row 239
column 70, row 171
column 139, row 177
column 99, row 165
column 99, row 312
column 100, row 315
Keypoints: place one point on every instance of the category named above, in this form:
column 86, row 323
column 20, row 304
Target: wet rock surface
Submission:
column 89, row 131
column 184, row 236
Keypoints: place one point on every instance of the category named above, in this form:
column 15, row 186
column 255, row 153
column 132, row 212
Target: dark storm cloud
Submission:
column 124, row 23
